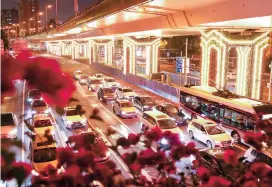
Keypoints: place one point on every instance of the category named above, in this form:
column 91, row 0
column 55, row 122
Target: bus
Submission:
column 236, row 114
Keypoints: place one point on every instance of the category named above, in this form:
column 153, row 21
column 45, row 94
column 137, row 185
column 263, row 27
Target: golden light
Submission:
column 31, row 19
column 24, row 22
column 49, row 6
column 39, row 21
column 40, row 13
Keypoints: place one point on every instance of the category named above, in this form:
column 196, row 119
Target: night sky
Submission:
column 65, row 7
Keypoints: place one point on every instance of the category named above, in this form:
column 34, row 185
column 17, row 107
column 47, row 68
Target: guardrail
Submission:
column 156, row 87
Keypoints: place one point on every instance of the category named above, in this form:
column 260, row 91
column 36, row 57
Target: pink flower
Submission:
column 122, row 141
column 135, row 167
column 231, row 157
column 147, row 157
column 204, row 174
column 133, row 138
column 216, row 181
column 255, row 139
column 65, row 156
column 21, row 171
column 191, row 149
column 154, row 134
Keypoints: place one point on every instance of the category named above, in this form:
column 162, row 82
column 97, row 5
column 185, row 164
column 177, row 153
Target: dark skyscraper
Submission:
column 28, row 16
column 9, row 17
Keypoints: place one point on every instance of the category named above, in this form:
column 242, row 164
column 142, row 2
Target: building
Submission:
column 28, row 16
column 9, row 17
column 52, row 23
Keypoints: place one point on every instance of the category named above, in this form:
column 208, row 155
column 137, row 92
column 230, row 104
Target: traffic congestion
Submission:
column 126, row 109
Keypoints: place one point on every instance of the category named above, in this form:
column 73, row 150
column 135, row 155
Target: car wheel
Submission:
column 236, row 137
column 209, row 144
column 191, row 134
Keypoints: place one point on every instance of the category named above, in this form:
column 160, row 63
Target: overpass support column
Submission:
column 91, row 51
column 141, row 57
column 217, row 67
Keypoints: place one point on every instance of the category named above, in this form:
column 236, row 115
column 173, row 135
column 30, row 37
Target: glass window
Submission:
column 227, row 116
column 44, row 155
column 126, row 105
column 107, row 90
column 146, row 99
column 95, row 82
column 110, row 80
column 7, row 119
column 212, row 130
column 38, row 103
column 151, row 120
column 171, row 110
column 167, row 123
column 42, row 123
column 71, row 112
column 127, row 90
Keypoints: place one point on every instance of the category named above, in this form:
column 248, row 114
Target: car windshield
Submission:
column 127, row 90
column 84, row 76
column 7, row 120
column 212, row 130
column 35, row 93
column 38, row 103
column 107, row 90
column 171, row 110
column 147, row 100
column 99, row 76
column 126, row 105
column 72, row 112
column 95, row 82
column 110, row 80
column 44, row 155
column 78, row 72
column 42, row 123
column 167, row 124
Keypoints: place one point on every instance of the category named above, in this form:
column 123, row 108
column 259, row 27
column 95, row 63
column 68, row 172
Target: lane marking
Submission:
column 117, row 119
column 57, row 129
column 23, row 124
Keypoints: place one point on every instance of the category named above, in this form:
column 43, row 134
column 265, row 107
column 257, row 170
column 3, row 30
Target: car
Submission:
column 42, row 122
column 172, row 111
column 77, row 74
column 39, row 106
column 106, row 94
column 143, row 102
column 9, row 126
column 42, row 153
column 83, row 79
column 164, row 122
column 125, row 93
column 264, row 155
column 34, row 94
column 99, row 76
column 95, row 143
column 209, row 133
column 73, row 119
column 93, row 83
column 213, row 160
column 124, row 108
column 111, row 83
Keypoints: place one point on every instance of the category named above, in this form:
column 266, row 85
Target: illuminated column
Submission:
column 148, row 60
column 243, row 53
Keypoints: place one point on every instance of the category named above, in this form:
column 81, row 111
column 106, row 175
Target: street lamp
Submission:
column 47, row 7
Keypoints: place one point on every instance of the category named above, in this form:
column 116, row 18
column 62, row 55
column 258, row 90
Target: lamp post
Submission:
column 24, row 28
column 47, row 7
column 29, row 25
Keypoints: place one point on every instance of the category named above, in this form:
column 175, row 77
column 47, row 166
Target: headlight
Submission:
column 33, row 112
column 41, row 98
column 47, row 111
column 84, row 121
column 30, row 99
column 69, row 122
column 146, row 106
column 35, row 173
column 217, row 142
column 117, row 84
column 123, row 113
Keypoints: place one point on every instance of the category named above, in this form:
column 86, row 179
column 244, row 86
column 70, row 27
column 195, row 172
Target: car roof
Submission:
column 157, row 114
column 204, row 122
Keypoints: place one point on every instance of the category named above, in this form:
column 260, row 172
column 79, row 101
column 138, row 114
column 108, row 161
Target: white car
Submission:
column 124, row 108
column 83, row 79
column 72, row 119
column 163, row 121
column 125, row 93
column 34, row 94
column 99, row 76
column 209, row 133
column 39, row 106
column 42, row 122
column 77, row 74
column 110, row 83
column 264, row 155
column 93, row 83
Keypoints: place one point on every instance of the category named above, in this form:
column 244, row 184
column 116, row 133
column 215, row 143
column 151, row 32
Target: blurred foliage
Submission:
column 4, row 37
